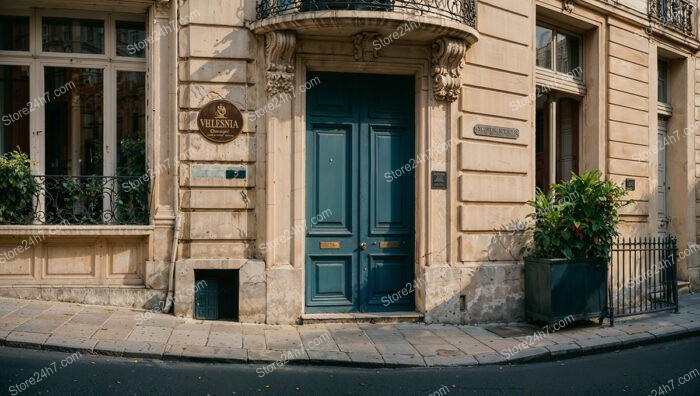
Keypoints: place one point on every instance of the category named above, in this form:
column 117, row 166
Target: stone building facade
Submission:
column 385, row 159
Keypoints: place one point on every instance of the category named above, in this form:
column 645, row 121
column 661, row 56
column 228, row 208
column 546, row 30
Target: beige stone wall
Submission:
column 628, row 121
column 493, row 177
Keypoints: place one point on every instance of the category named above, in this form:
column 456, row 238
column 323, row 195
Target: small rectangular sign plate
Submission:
column 389, row 244
column 497, row 132
column 330, row 245
column 629, row 184
column 438, row 180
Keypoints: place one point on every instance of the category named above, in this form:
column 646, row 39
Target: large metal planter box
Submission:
column 557, row 288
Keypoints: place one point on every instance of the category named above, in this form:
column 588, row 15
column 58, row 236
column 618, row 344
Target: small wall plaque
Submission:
column 389, row 244
column 629, row 184
column 438, row 180
column 220, row 121
column 330, row 245
column 498, row 132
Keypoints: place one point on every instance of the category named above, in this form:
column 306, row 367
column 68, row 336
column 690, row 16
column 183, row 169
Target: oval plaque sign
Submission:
column 220, row 121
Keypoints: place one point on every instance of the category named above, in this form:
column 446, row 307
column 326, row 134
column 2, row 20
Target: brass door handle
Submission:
column 363, row 246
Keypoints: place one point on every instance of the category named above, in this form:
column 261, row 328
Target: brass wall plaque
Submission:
column 498, row 132
column 220, row 121
column 389, row 244
column 330, row 245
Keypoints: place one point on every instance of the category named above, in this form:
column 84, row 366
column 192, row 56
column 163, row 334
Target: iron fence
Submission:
column 463, row 11
column 675, row 14
column 642, row 276
column 88, row 200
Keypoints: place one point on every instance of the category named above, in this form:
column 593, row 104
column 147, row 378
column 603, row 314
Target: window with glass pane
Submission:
column 663, row 81
column 14, row 95
column 567, row 53
column 132, row 193
column 543, row 54
column 74, row 122
column 83, row 36
column 130, row 39
column 14, row 33
column 131, row 123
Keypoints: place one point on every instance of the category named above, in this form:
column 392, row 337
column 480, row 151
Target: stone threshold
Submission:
column 377, row 317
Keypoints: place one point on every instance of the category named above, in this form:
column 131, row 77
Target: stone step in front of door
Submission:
column 379, row 317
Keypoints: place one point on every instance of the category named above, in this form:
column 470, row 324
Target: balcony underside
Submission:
column 345, row 23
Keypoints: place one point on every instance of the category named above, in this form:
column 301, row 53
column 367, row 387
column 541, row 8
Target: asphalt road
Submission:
column 638, row 371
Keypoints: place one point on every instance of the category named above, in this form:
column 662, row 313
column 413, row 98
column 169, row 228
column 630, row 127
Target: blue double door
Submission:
column 360, row 193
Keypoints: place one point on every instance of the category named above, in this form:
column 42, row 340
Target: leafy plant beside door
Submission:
column 566, row 265
column 17, row 188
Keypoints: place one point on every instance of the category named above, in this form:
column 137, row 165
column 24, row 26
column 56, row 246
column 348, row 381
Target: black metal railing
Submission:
column 463, row 11
column 675, row 14
column 642, row 276
column 89, row 200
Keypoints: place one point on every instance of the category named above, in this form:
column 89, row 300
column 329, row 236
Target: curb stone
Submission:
column 111, row 349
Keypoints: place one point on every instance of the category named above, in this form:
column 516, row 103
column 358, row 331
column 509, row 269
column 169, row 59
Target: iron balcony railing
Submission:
column 89, row 200
column 675, row 14
column 642, row 276
column 462, row 11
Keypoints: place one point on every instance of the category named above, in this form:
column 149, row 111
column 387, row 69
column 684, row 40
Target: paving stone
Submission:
column 399, row 349
column 365, row 358
column 636, row 338
column 264, row 355
column 89, row 318
column 318, row 341
column 144, row 349
column 11, row 322
column 253, row 328
column 188, row 337
column 385, row 337
column 225, row 340
column 282, row 340
column 109, row 347
column 150, row 334
column 668, row 331
column 76, row 330
column 26, row 340
column 599, row 343
column 424, row 340
column 358, row 348
column 438, row 350
column 205, row 352
column 463, row 360
column 563, row 349
column 328, row 356
column 39, row 326
column 490, row 358
column 114, row 334
column 530, row 354
column 403, row 360
column 254, row 341
column 57, row 316
column 62, row 343
column 349, row 336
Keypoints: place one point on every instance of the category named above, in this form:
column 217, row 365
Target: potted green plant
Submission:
column 566, row 266
column 17, row 188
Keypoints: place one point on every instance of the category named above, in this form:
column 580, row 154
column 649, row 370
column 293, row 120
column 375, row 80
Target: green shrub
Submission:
column 577, row 218
column 17, row 187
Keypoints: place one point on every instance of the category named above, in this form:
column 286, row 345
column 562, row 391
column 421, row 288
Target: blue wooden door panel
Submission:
column 359, row 129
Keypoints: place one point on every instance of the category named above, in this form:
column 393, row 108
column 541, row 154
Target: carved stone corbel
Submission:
column 364, row 48
column 448, row 54
column 567, row 5
column 279, row 55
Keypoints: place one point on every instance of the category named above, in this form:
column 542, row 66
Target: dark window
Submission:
column 82, row 36
column 14, row 33
column 131, row 39
column 14, row 108
column 663, row 81
column 543, row 51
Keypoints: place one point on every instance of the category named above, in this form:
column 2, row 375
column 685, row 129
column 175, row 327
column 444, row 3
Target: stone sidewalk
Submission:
column 126, row 332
